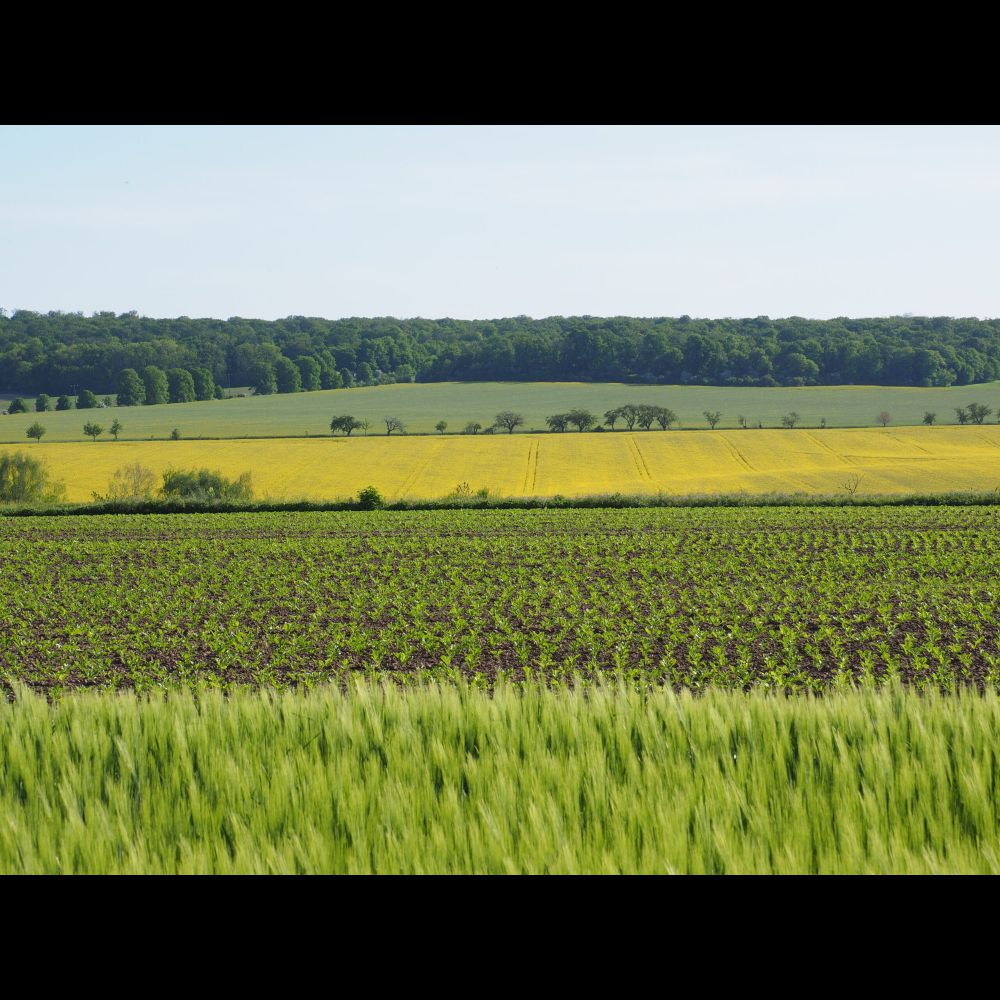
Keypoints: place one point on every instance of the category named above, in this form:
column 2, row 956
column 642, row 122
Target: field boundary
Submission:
column 611, row 501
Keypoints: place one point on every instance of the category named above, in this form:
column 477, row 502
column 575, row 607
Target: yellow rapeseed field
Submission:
column 904, row 460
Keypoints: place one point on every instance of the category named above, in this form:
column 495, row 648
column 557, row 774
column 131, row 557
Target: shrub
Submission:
column 24, row 479
column 130, row 482
column 370, row 499
column 205, row 486
column 17, row 406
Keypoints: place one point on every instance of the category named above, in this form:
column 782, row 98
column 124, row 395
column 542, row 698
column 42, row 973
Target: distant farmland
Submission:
column 422, row 406
column 902, row 460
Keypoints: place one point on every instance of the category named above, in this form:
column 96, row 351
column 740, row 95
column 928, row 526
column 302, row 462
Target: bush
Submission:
column 130, row 482
column 370, row 499
column 17, row 406
column 24, row 479
column 205, row 486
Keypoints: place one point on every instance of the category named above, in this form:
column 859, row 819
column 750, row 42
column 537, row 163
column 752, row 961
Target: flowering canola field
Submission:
column 900, row 460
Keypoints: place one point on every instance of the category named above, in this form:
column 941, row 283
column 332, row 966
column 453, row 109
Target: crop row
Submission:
column 792, row 598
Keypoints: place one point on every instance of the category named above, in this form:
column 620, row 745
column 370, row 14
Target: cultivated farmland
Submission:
column 527, row 780
column 901, row 460
column 421, row 406
column 793, row 599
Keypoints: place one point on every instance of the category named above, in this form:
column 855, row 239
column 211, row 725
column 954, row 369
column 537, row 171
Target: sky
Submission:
column 484, row 222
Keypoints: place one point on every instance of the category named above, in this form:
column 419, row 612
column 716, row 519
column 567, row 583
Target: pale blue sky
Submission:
column 488, row 222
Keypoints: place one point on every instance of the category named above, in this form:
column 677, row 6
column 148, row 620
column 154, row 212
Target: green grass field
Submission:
column 453, row 780
column 422, row 406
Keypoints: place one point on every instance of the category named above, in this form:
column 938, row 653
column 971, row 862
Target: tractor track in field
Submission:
column 737, row 454
column 836, row 454
column 418, row 470
column 639, row 459
column 531, row 472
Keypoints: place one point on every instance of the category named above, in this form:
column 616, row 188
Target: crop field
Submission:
column 421, row 406
column 524, row 780
column 794, row 599
column 902, row 460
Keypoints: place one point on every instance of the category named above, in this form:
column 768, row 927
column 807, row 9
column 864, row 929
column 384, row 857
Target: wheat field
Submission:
column 901, row 460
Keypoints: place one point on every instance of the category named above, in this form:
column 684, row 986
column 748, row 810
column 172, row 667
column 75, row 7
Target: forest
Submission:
column 60, row 352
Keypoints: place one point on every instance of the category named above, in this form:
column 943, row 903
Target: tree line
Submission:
column 61, row 352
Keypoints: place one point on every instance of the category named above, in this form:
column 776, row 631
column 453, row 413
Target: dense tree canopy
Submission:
column 57, row 352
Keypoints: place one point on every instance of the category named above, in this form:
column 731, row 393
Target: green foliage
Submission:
column 472, row 427
column 370, row 499
column 25, row 479
column 43, row 403
column 17, row 406
column 64, row 403
column 394, row 424
column 175, row 434
column 86, row 400
column 789, row 419
column 263, row 380
column 133, row 482
column 92, row 429
column 582, row 420
column 156, row 384
column 180, row 386
column 558, row 422
column 345, row 423
column 508, row 420
column 116, row 427
column 311, row 374
column 205, row 486
column 978, row 412
column 441, row 426
column 929, row 418
column 884, row 418
column 54, row 351
column 36, row 430
column 204, row 383
column 287, row 377
column 713, row 417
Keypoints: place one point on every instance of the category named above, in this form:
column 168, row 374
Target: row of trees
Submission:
column 91, row 429
column 54, row 352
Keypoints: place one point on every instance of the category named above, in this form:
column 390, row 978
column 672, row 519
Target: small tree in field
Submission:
column 93, row 430
column 473, row 427
column 790, row 419
column 394, row 424
column 962, row 413
column 508, row 420
column 884, row 418
column 665, row 417
column 713, row 417
column 43, row 403
column 582, row 420
column 441, row 426
column 36, row 430
column 116, row 427
column 558, row 421
column 929, row 418
column 611, row 417
column 978, row 412
column 345, row 423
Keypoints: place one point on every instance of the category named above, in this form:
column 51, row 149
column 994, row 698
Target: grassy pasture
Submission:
column 891, row 460
column 422, row 406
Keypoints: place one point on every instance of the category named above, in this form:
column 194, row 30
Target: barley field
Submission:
column 900, row 460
